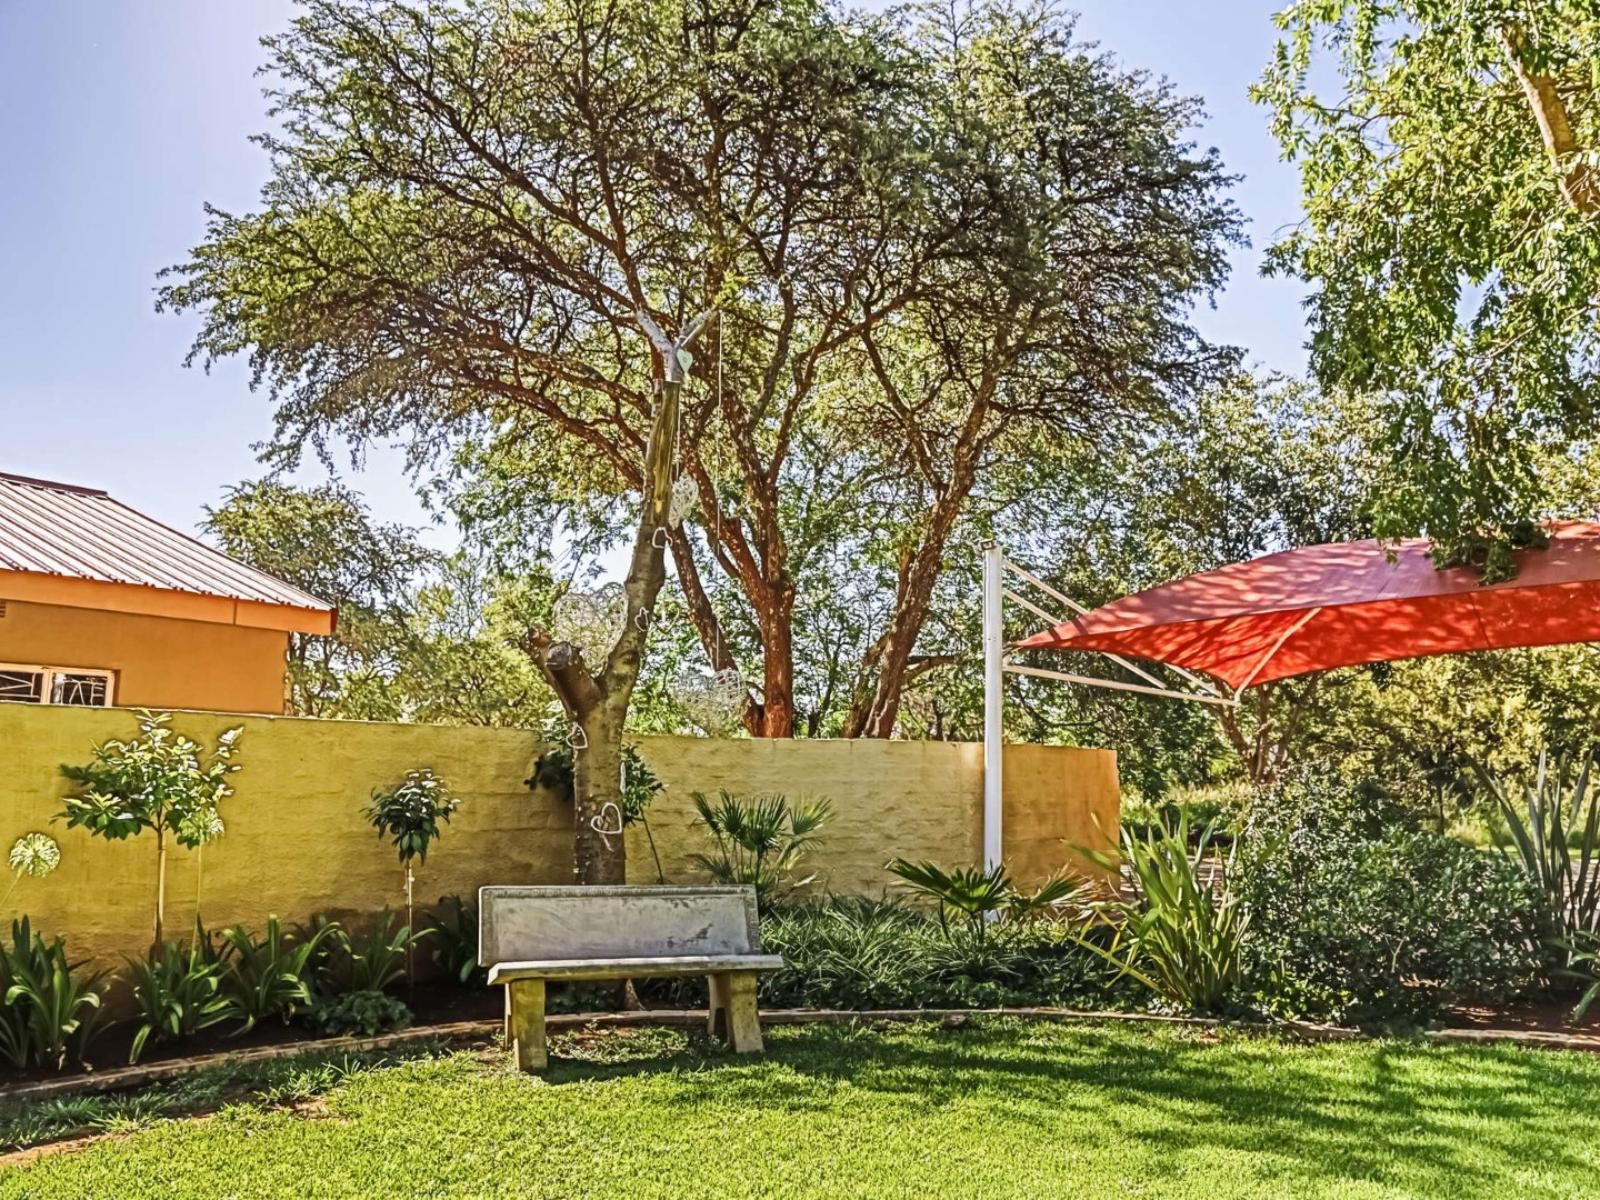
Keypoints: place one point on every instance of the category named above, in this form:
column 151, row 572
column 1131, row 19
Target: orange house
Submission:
column 101, row 605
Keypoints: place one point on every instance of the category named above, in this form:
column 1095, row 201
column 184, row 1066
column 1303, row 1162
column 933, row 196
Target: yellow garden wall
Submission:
column 297, row 843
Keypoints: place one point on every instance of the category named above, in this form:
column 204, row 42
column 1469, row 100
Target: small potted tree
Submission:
column 409, row 816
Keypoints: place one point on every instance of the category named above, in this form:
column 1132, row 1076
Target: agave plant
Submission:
column 1555, row 831
column 760, row 841
column 1178, row 936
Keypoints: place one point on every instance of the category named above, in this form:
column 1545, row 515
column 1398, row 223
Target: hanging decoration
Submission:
column 592, row 621
column 713, row 702
column 685, row 501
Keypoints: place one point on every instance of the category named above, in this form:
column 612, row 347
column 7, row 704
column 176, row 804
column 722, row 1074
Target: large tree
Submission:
column 924, row 237
column 1448, row 155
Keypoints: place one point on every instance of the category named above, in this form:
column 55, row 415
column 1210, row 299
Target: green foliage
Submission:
column 1179, row 936
column 854, row 953
column 1356, row 918
column 365, row 1012
column 178, row 991
column 49, row 1009
column 760, row 840
column 552, row 770
column 1453, row 255
column 274, row 976
column 410, row 814
column 159, row 780
column 1556, row 835
column 452, row 938
column 979, row 894
column 367, row 959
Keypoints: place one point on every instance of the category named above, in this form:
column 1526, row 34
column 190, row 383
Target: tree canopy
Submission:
column 1448, row 158
column 931, row 236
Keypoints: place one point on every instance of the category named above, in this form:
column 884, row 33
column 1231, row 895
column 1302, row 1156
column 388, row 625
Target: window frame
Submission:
column 48, row 687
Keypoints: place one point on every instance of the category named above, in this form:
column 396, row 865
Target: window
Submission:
column 55, row 685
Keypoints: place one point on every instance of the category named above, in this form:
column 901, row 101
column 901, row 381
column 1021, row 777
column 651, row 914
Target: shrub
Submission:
column 178, row 990
column 361, row 960
column 272, row 977
column 760, row 841
column 364, row 1013
column 854, row 953
column 409, row 816
column 1357, row 919
column 1178, row 936
column 452, row 935
column 49, row 1011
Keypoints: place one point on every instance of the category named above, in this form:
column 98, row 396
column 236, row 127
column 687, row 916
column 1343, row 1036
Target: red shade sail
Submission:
column 1347, row 603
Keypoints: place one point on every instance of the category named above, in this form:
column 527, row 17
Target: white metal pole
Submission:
column 993, row 700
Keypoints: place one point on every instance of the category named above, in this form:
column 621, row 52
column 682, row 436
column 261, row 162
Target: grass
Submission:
column 996, row 1108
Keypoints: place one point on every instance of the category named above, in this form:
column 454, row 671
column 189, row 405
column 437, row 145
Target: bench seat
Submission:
column 629, row 968
column 529, row 937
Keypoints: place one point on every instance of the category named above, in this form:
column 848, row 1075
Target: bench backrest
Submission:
column 523, row 924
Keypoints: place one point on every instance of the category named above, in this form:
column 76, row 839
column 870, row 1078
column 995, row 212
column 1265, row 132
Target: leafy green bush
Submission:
column 178, row 990
column 272, row 977
column 854, row 953
column 1357, row 919
column 452, row 937
column 367, row 959
column 364, row 1013
column 1179, row 936
column 760, row 841
column 49, row 1011
column 410, row 813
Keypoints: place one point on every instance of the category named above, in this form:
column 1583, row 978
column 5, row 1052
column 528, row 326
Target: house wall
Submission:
column 297, row 842
column 160, row 662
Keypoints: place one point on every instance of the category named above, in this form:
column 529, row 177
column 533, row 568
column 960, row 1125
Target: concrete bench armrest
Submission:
column 626, row 968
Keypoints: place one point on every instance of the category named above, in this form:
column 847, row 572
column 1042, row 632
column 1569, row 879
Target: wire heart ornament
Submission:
column 591, row 621
column 685, row 501
column 598, row 821
column 713, row 702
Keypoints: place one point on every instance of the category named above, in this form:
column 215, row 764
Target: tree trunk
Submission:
column 777, row 664
column 161, row 887
column 1578, row 180
column 597, row 800
column 597, row 699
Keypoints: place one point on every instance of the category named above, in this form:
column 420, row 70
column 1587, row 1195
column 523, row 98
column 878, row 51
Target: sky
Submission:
column 121, row 119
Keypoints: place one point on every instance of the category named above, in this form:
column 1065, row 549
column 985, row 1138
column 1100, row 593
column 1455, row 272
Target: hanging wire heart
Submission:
column 591, row 621
column 685, row 501
column 713, row 702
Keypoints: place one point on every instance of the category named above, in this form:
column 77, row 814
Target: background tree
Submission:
column 924, row 234
column 1450, row 195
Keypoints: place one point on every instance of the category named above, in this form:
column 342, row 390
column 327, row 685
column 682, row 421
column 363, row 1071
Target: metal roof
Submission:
column 82, row 533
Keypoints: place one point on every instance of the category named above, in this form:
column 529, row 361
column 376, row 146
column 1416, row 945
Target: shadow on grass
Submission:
column 1363, row 1111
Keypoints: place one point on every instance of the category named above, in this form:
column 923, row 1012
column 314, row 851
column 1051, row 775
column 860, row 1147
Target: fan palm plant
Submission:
column 760, row 841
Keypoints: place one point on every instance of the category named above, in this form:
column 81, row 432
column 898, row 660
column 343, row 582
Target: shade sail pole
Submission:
column 994, row 655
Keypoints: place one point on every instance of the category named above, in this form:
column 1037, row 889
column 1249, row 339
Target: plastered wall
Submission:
column 297, row 842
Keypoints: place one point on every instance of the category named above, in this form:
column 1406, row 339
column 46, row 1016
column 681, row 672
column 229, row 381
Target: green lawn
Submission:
column 995, row 1109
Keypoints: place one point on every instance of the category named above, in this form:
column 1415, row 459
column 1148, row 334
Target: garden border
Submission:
column 126, row 1078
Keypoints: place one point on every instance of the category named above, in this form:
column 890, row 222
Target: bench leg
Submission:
column 717, row 1005
column 744, row 1024
column 525, row 1024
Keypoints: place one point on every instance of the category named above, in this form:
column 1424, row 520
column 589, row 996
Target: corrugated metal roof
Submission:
column 81, row 533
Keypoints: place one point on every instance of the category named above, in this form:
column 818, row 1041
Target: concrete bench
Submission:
column 529, row 936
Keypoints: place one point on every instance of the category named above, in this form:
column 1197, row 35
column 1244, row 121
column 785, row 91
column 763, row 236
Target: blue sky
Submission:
column 118, row 121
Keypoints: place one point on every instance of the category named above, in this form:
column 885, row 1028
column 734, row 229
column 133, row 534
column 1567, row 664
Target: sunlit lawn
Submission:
column 993, row 1109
